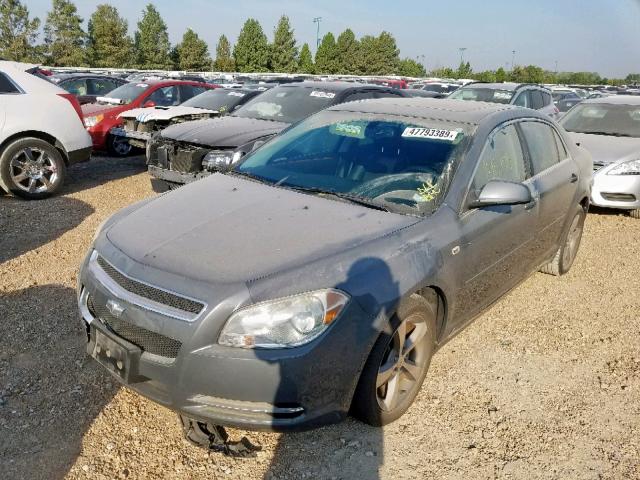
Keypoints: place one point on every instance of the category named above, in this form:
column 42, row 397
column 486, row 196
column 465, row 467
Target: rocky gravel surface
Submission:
column 546, row 384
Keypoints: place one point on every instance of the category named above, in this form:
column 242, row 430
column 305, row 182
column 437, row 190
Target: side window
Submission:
column 77, row 87
column 164, row 97
column 562, row 151
column 6, row 86
column 100, row 86
column 542, row 145
column 189, row 91
column 547, row 98
column 537, row 102
column 523, row 100
column 501, row 159
column 362, row 95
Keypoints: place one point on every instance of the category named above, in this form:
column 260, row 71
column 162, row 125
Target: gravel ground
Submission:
column 546, row 384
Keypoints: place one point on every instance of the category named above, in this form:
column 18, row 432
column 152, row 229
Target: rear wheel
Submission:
column 635, row 213
column 567, row 253
column 397, row 365
column 118, row 146
column 31, row 168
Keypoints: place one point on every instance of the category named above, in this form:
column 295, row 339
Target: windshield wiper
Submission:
column 609, row 134
column 358, row 200
column 251, row 176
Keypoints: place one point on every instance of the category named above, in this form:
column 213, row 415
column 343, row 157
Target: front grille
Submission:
column 145, row 339
column 187, row 160
column 152, row 293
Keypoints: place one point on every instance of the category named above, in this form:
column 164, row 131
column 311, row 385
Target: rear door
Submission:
column 555, row 177
column 8, row 90
column 496, row 242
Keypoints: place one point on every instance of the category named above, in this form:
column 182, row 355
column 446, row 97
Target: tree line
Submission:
column 106, row 43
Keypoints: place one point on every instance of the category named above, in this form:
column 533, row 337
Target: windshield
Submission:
column 404, row 165
column 483, row 95
column 603, row 119
column 286, row 104
column 128, row 93
column 220, row 100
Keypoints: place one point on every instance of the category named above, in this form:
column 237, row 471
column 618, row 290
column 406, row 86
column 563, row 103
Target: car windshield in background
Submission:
column 603, row 119
column 127, row 93
column 286, row 104
column 483, row 95
column 220, row 100
column 394, row 163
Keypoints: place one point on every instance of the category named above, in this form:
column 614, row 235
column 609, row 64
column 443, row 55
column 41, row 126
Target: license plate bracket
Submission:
column 118, row 356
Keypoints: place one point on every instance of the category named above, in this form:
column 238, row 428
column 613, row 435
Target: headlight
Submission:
column 284, row 323
column 220, row 159
column 626, row 168
column 93, row 121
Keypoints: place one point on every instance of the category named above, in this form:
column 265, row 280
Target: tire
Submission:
column 566, row 254
column 635, row 214
column 118, row 146
column 31, row 168
column 383, row 369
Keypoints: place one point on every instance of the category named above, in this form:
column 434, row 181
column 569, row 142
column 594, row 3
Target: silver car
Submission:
column 610, row 129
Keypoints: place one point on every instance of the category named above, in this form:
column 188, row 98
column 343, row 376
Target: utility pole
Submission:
column 317, row 21
column 462, row 50
column 513, row 60
column 556, row 67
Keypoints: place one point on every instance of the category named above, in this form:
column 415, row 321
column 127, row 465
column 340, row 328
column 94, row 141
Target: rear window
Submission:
column 483, row 95
column 6, row 86
column 127, row 93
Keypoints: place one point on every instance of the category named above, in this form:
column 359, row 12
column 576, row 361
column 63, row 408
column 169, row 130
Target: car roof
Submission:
column 65, row 76
column 511, row 86
column 168, row 81
column 616, row 100
column 429, row 108
column 335, row 86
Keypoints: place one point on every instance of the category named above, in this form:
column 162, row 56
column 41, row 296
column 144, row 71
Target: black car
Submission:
column 87, row 87
column 189, row 151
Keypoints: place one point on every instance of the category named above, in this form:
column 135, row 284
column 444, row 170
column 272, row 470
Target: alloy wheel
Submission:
column 121, row 146
column 33, row 170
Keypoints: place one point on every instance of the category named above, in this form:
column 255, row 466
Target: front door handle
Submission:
column 574, row 178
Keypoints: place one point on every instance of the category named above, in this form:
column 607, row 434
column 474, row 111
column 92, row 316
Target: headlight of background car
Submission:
column 93, row 121
column 220, row 159
column 283, row 323
column 626, row 168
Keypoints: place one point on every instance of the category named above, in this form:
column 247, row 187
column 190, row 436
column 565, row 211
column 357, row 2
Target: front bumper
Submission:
column 279, row 390
column 176, row 177
column 615, row 191
column 137, row 139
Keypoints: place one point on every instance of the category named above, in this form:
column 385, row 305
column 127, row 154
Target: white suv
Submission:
column 41, row 132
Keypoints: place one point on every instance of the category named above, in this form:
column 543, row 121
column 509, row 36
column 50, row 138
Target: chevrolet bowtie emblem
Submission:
column 115, row 308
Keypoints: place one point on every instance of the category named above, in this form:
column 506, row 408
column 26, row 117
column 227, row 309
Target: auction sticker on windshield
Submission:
column 348, row 130
column 431, row 134
column 318, row 93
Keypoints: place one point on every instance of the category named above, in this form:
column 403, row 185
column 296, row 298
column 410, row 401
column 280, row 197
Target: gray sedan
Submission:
column 320, row 275
column 609, row 128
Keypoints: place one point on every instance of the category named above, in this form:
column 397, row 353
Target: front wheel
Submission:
column 567, row 253
column 118, row 146
column 397, row 365
column 31, row 168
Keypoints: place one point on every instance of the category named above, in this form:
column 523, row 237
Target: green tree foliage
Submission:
column 64, row 38
column 528, row 74
column 17, row 32
column 224, row 62
column 251, row 52
column 464, row 70
column 378, row 55
column 579, row 78
column 501, row 75
column 444, row 72
column 633, row 78
column 348, row 49
column 193, row 52
column 284, row 53
column 327, row 55
column 152, row 41
column 305, row 64
column 410, row 68
column 488, row 76
column 109, row 44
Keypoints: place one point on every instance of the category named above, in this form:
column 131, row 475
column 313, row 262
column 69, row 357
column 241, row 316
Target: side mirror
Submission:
column 498, row 192
column 149, row 104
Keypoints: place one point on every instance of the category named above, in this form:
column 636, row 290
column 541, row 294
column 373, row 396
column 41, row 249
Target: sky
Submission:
column 580, row 35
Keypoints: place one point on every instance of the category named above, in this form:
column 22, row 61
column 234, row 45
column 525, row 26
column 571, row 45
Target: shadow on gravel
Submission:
column 609, row 212
column 100, row 170
column 50, row 390
column 26, row 225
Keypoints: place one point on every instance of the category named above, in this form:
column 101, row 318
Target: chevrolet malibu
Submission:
column 318, row 276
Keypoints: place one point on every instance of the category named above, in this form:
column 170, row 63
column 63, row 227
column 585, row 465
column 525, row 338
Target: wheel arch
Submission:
column 436, row 297
column 42, row 136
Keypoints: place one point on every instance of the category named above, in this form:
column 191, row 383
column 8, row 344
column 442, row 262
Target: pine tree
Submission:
column 152, row 41
column 64, row 38
column 306, row 60
column 224, row 62
column 17, row 32
column 251, row 52
column 501, row 75
column 348, row 49
column 464, row 70
column 410, row 68
column 284, row 53
column 326, row 56
column 193, row 52
column 109, row 44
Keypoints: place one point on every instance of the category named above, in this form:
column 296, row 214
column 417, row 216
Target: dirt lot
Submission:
column 544, row 385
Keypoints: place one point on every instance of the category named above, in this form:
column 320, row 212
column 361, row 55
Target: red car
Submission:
column 100, row 117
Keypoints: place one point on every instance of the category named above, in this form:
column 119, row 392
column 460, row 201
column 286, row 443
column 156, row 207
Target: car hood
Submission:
column 226, row 229
column 90, row 109
column 229, row 131
column 606, row 149
column 163, row 113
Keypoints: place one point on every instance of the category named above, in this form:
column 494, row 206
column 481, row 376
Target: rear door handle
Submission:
column 574, row 178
